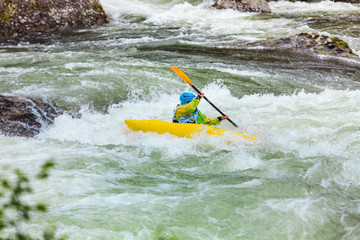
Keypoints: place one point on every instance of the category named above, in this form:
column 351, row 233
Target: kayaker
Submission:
column 187, row 112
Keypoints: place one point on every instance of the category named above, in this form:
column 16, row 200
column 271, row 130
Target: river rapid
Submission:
column 300, row 181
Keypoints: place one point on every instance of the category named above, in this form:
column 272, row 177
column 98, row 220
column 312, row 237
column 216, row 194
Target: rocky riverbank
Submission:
column 311, row 43
column 346, row 1
column 25, row 117
column 244, row 5
column 335, row 18
column 20, row 19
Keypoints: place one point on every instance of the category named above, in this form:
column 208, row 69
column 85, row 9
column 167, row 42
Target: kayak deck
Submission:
column 187, row 130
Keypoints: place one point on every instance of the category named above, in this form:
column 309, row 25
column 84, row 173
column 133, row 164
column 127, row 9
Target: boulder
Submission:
column 310, row 43
column 20, row 18
column 310, row 1
column 334, row 18
column 24, row 117
column 348, row 1
column 244, row 5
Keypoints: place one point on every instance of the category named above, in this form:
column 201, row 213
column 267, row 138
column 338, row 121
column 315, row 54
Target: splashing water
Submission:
column 300, row 182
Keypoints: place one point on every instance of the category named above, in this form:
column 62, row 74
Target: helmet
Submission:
column 186, row 97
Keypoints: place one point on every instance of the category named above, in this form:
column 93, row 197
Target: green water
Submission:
column 300, row 181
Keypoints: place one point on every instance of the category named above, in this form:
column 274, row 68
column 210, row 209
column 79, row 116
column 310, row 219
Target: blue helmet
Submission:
column 186, row 97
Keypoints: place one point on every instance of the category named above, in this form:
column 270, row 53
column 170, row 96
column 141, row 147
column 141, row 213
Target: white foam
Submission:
column 208, row 21
column 306, row 209
column 287, row 7
column 303, row 125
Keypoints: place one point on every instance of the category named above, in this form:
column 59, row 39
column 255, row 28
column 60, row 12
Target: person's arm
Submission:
column 211, row 121
column 208, row 121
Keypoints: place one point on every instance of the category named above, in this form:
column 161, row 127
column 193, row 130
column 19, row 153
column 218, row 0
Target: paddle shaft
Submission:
column 198, row 91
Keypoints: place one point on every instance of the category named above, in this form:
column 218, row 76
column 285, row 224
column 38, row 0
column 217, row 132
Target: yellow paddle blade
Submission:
column 181, row 74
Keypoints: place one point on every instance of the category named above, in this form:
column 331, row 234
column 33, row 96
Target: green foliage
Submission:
column 97, row 7
column 339, row 43
column 14, row 211
column 44, row 173
column 8, row 12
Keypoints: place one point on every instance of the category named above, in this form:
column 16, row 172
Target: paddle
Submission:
column 188, row 81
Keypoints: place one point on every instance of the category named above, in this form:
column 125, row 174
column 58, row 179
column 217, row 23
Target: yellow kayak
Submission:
column 188, row 130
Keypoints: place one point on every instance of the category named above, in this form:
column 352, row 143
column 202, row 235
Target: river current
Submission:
column 300, row 181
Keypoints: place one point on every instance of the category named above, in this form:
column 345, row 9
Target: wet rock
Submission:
column 311, row 1
column 337, row 18
column 244, row 5
column 24, row 117
column 311, row 43
column 348, row 1
column 20, row 18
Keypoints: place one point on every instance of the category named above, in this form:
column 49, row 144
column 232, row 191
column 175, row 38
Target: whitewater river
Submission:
column 300, row 181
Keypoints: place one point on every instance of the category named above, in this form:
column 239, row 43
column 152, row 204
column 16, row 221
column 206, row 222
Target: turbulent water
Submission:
column 300, row 181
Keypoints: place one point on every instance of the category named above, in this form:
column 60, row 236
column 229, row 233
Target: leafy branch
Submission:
column 14, row 211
